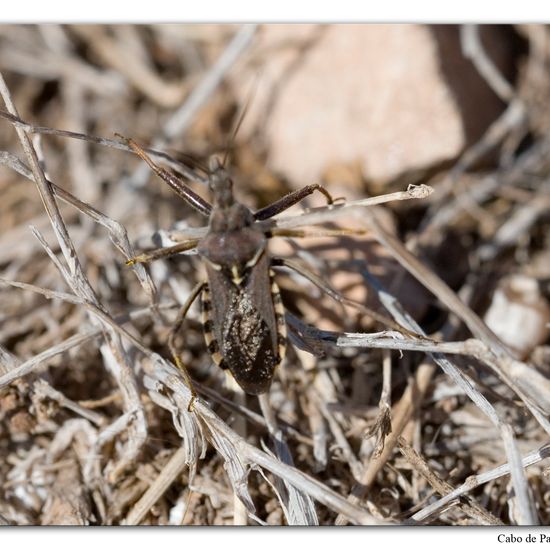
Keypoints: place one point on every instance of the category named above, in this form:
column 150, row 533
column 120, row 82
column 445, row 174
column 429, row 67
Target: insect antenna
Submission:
column 190, row 161
column 244, row 109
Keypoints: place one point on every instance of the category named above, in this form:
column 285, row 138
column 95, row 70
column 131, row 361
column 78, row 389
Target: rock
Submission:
column 519, row 315
column 375, row 96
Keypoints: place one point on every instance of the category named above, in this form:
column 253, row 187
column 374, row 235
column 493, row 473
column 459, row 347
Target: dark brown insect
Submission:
column 243, row 316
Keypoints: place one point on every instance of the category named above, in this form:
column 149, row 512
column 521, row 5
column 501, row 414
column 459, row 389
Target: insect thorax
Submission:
column 233, row 245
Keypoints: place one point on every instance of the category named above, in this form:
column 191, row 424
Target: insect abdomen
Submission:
column 243, row 332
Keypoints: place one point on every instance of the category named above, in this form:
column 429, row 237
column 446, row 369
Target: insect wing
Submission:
column 246, row 331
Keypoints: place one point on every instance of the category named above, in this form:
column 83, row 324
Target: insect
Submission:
column 242, row 313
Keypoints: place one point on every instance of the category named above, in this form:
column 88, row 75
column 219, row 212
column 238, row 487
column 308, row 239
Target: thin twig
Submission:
column 473, row 49
column 166, row 477
column 475, row 481
column 180, row 121
column 470, row 507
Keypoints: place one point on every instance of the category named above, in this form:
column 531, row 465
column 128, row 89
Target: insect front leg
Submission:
column 177, row 184
column 290, row 200
column 164, row 252
column 172, row 344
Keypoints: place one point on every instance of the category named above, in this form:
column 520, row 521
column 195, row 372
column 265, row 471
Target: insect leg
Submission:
column 162, row 252
column 172, row 344
column 335, row 295
column 178, row 185
column 312, row 278
column 291, row 199
column 302, row 233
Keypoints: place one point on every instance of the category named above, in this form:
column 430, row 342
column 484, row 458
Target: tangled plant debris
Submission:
column 415, row 389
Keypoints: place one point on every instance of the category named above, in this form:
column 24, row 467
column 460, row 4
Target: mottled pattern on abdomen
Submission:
column 247, row 345
column 248, row 340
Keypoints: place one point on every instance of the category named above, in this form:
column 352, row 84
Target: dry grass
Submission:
column 376, row 417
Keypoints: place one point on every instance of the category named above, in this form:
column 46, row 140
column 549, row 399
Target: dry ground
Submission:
column 398, row 405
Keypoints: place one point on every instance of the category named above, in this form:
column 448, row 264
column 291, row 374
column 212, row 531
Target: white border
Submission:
column 159, row 11
column 266, row 538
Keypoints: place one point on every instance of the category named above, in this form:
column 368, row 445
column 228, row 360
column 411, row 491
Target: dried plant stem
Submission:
column 402, row 413
column 42, row 388
column 50, row 205
column 240, row 514
column 170, row 472
column 247, row 413
column 105, row 142
column 324, row 214
column 180, row 121
column 98, row 312
column 80, row 285
column 473, row 49
column 526, row 510
column 182, row 118
column 518, row 477
column 475, row 481
column 117, row 232
column 165, row 378
column 298, row 479
column 331, row 212
column 298, row 507
column 470, row 507
column 23, row 369
column 510, row 446
column 531, row 386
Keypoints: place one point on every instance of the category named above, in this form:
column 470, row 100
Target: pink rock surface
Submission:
column 366, row 94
